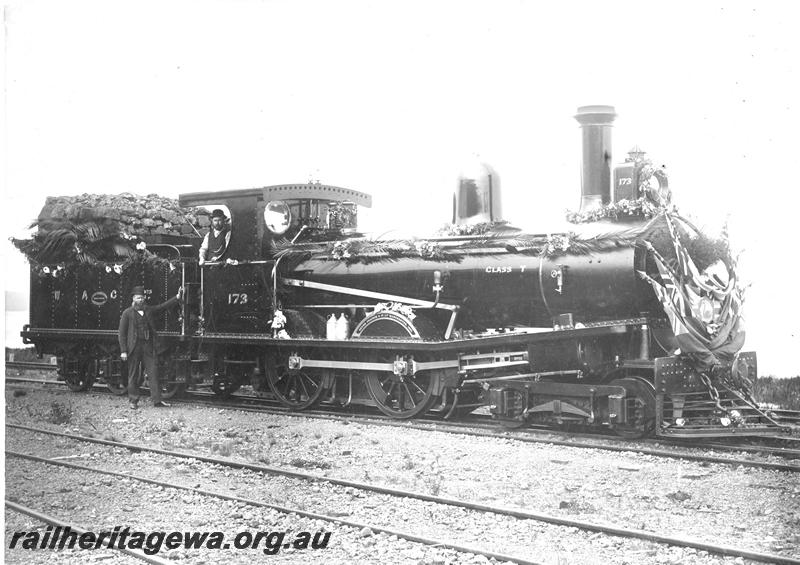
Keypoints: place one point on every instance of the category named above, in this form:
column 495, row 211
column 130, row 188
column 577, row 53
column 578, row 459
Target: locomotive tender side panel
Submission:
column 53, row 299
column 93, row 297
column 99, row 300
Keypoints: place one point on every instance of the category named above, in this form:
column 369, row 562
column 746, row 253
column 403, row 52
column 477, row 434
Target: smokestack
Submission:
column 595, row 124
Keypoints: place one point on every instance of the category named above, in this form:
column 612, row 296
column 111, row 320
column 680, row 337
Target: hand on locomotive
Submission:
column 138, row 343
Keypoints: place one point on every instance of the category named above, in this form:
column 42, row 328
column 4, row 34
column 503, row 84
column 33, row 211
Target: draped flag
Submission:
column 703, row 308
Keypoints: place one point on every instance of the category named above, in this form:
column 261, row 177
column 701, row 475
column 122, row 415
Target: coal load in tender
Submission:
column 136, row 215
column 103, row 227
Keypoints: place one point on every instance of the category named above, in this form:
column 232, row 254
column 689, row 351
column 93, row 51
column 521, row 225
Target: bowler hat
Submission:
column 137, row 290
column 218, row 213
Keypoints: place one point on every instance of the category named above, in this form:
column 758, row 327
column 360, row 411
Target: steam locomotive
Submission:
column 628, row 320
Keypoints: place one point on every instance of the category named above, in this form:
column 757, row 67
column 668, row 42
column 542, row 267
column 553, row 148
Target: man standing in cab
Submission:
column 137, row 343
column 216, row 241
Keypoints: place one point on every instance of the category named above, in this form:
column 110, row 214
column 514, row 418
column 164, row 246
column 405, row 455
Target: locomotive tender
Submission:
column 623, row 321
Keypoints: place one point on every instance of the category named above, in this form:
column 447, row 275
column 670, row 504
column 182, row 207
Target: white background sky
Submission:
column 394, row 98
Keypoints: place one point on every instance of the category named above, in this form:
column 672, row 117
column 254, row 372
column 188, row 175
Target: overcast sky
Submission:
column 395, row 98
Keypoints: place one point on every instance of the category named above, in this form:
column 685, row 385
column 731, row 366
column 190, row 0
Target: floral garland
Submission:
column 141, row 256
column 454, row 230
column 429, row 250
column 353, row 251
column 340, row 250
column 641, row 207
column 65, row 246
column 557, row 244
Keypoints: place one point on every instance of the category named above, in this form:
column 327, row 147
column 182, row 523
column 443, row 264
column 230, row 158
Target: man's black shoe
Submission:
column 134, row 404
column 160, row 405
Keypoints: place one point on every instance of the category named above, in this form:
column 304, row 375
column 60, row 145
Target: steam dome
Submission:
column 477, row 196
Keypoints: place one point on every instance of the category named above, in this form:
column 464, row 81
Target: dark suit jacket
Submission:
column 127, row 324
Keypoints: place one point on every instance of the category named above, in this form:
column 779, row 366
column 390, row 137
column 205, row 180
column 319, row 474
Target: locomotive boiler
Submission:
column 628, row 319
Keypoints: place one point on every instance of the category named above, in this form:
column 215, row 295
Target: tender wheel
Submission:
column 118, row 386
column 166, row 372
column 118, row 383
column 79, row 376
column 169, row 388
column 225, row 385
column 641, row 406
column 79, row 383
column 296, row 389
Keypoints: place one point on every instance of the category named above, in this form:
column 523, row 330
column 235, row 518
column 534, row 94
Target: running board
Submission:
column 400, row 366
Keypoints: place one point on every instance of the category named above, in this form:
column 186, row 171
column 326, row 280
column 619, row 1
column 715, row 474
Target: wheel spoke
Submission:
column 312, row 383
column 410, row 396
column 299, row 378
column 413, row 382
column 287, row 384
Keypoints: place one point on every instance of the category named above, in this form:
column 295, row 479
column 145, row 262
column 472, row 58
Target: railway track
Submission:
column 489, row 429
column 429, row 502
column 433, row 542
column 59, row 523
column 30, row 365
column 790, row 416
column 484, row 427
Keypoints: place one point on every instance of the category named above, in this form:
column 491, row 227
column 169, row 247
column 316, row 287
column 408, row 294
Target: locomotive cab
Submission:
column 237, row 299
column 238, row 295
column 263, row 218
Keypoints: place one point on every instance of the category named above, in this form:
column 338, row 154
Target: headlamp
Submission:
column 277, row 217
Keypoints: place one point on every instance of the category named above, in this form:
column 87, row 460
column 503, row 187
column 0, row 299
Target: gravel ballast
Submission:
column 720, row 504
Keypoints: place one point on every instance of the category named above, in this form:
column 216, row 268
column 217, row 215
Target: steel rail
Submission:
column 505, row 511
column 284, row 509
column 30, row 365
column 432, row 424
column 457, row 428
column 35, row 381
column 47, row 519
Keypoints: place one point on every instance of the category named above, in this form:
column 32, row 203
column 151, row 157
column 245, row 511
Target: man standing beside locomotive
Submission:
column 137, row 343
column 216, row 241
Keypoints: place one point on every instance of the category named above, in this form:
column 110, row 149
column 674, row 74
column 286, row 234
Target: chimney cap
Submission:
column 595, row 115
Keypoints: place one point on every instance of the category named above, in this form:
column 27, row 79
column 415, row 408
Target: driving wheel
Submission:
column 397, row 393
column 296, row 388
